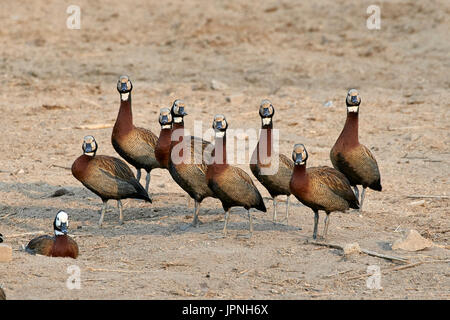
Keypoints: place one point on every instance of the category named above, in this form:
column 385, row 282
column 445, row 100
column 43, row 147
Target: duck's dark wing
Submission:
column 112, row 178
column 190, row 174
column 115, row 167
column 358, row 165
column 286, row 168
column 41, row 245
column 371, row 168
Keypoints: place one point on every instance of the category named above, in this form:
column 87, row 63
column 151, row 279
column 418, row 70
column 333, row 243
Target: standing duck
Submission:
column 188, row 169
column 61, row 245
column 320, row 188
column 135, row 145
column 261, row 164
column 232, row 185
column 350, row 157
column 107, row 177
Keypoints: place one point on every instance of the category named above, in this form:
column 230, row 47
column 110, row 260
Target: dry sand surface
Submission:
column 58, row 85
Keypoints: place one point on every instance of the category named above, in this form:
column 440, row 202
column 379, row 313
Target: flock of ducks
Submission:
column 319, row 188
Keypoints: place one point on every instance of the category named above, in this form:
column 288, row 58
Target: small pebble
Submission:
column 217, row 85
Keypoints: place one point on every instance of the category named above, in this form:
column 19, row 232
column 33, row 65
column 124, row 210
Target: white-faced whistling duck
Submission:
column 231, row 185
column 61, row 245
column 162, row 150
column 135, row 145
column 107, row 177
column 350, row 157
column 188, row 169
column 320, row 188
column 278, row 182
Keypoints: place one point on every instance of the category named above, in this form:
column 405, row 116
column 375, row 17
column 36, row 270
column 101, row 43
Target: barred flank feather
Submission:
column 336, row 182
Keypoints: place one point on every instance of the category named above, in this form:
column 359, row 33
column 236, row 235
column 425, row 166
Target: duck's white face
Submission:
column 62, row 217
column 61, row 223
column 89, row 145
column 353, row 100
column 165, row 118
column 220, row 125
column 178, row 110
column 299, row 154
column 124, row 86
column 266, row 112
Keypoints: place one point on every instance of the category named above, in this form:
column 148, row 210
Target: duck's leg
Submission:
column 147, row 181
column 119, row 205
column 363, row 193
column 316, row 223
column 325, row 229
column 102, row 213
column 250, row 221
column 227, row 217
column 287, row 210
column 224, row 232
column 356, row 190
column 274, row 209
column 196, row 221
column 138, row 175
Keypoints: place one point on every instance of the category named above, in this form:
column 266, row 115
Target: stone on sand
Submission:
column 5, row 253
column 217, row 85
column 350, row 248
column 412, row 241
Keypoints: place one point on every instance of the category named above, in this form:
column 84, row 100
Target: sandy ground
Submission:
column 56, row 81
